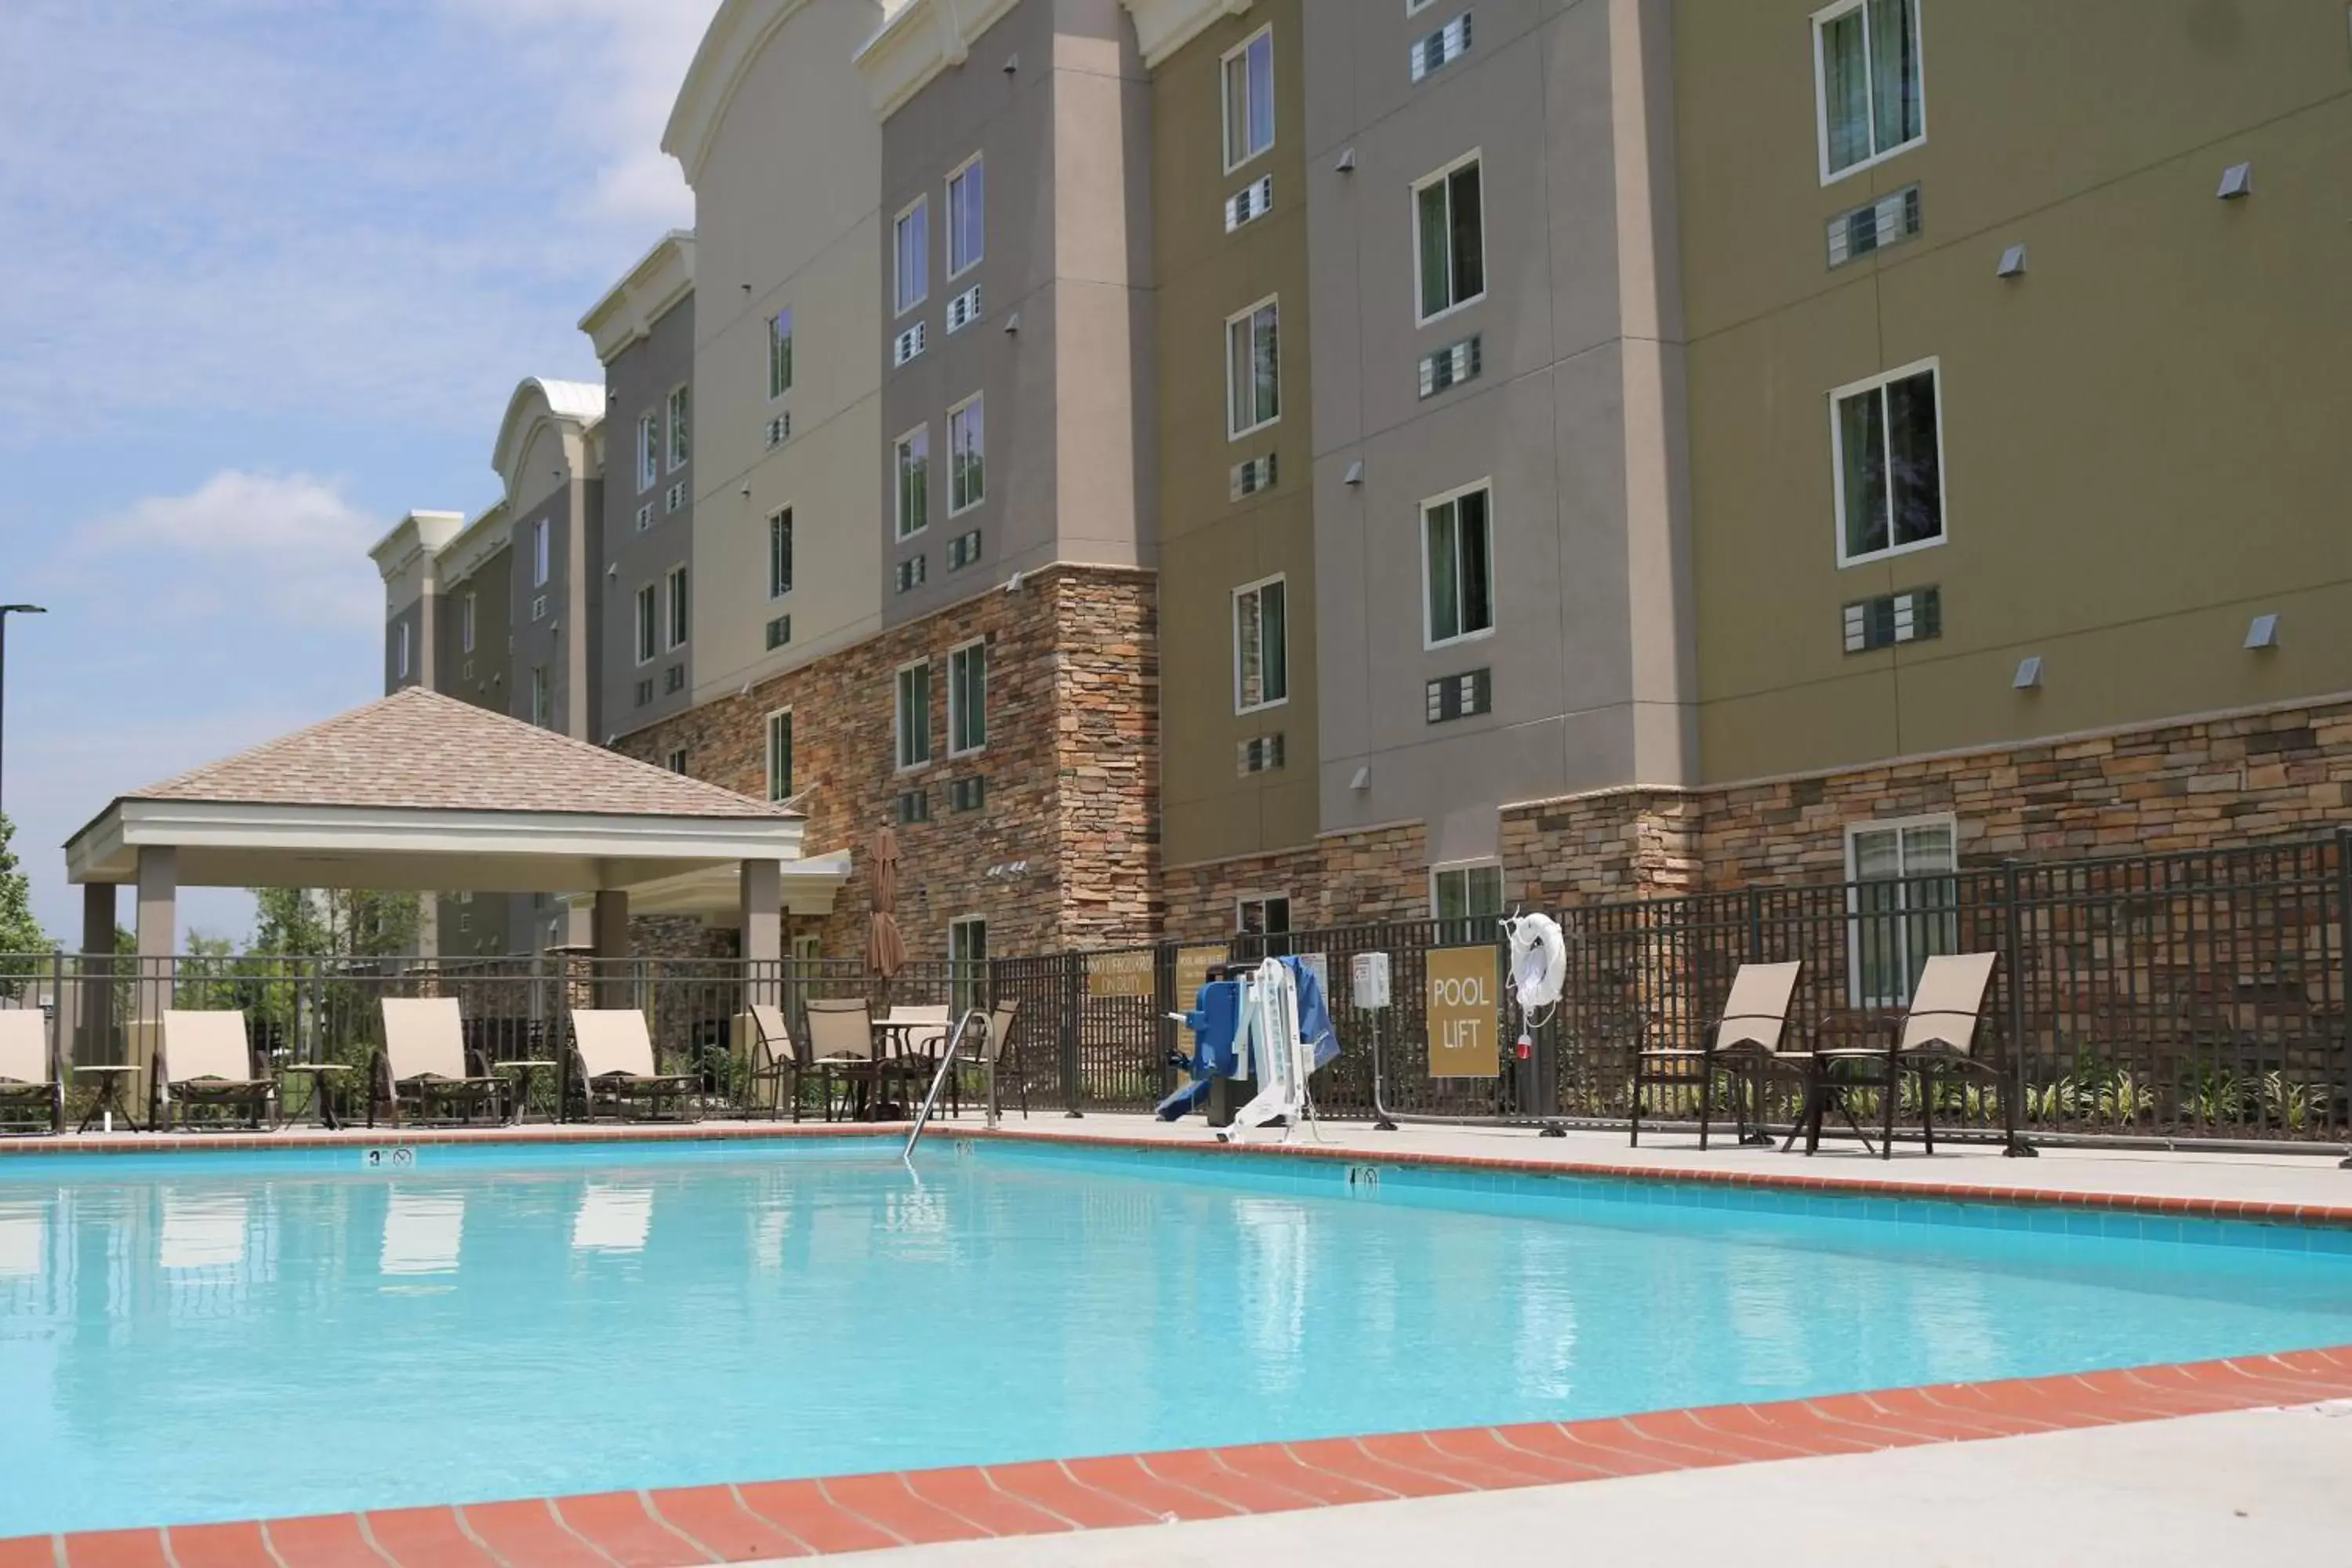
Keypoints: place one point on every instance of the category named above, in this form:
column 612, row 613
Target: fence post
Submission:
column 2344, row 967
column 2014, row 1097
column 1074, row 1001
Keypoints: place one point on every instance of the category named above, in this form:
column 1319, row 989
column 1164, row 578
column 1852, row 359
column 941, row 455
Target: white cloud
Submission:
column 285, row 546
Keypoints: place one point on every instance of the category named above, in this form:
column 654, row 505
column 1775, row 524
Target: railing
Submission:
column 939, row 1079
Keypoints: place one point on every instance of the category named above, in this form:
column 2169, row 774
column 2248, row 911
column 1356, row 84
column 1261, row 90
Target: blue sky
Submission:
column 275, row 267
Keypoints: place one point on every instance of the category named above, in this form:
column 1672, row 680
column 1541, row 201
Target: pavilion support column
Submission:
column 612, row 948
column 761, row 912
column 97, row 1043
column 158, row 925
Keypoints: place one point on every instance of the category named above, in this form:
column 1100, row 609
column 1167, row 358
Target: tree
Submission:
column 19, row 931
column 306, row 922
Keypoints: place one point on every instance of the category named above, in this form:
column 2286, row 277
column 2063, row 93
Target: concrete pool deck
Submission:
column 2160, row 1465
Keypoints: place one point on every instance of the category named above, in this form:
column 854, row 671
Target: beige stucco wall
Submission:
column 2142, row 437
column 786, row 203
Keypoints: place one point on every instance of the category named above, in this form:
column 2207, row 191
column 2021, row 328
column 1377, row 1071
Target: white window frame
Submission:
column 899, row 258
column 542, row 697
column 646, row 623
column 1475, row 155
column 466, row 611
column 400, row 650
column 542, row 552
column 955, row 709
column 970, row 991
column 1260, row 897
column 783, row 514
column 1494, row 577
column 792, row 371
column 1224, row 99
column 677, row 607
column 898, row 479
column 1249, row 314
column 899, row 764
column 1821, row 18
column 1479, row 862
column 1837, row 465
column 1240, row 706
column 1857, row 994
column 948, row 206
column 678, row 412
column 977, row 400
column 649, row 450
column 768, row 733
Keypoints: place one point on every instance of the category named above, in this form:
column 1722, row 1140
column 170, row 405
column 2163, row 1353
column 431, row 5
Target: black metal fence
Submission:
column 2195, row 996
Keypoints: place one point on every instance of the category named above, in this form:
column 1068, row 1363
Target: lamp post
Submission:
column 6, row 611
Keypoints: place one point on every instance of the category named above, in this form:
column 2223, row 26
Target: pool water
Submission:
column 187, row 1339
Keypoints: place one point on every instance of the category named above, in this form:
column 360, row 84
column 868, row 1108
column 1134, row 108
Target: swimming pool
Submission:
column 201, row 1337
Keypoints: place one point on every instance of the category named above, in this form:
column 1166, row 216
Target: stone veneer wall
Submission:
column 1065, row 852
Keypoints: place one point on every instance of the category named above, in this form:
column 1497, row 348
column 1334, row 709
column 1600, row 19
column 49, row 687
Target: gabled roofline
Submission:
column 576, row 406
column 662, row 277
column 1164, row 26
column 731, row 43
column 418, row 533
column 917, row 41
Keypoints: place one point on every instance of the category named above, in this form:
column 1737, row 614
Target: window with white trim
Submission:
column 779, row 552
column 968, row 966
column 1252, row 369
column 1249, row 98
column 465, row 622
column 1261, row 645
column 1458, row 565
column 648, row 623
column 1867, row 82
column 400, row 651
column 967, row 455
column 780, row 755
column 910, row 464
column 967, row 217
column 676, row 761
column 913, row 250
column 1450, row 229
column 1470, row 891
column 780, row 354
column 912, row 719
column 1261, row 914
column 542, row 701
column 967, row 699
column 649, row 451
column 679, row 608
column 1903, row 894
column 1886, row 445
column 542, row 554
column 681, row 413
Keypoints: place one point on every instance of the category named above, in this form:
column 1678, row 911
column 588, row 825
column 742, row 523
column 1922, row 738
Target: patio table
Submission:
column 321, row 1103
column 110, row 1079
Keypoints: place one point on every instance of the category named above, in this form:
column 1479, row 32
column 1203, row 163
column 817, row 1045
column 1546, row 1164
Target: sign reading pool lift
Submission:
column 1460, row 1012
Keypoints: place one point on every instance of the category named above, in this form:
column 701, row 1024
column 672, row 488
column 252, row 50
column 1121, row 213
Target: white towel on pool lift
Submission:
column 1271, row 1051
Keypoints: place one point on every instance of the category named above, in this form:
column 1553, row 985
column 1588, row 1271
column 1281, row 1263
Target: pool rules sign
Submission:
column 1460, row 1011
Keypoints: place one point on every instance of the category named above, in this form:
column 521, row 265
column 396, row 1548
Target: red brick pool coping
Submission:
column 762, row 1520
column 2333, row 1216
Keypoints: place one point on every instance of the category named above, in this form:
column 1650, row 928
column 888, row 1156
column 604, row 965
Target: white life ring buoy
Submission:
column 1538, row 961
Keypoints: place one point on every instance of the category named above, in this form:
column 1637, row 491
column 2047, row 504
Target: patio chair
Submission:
column 976, row 1062
column 614, row 1058
column 1745, row 1041
column 28, row 1073
column 773, row 1061
column 423, row 1062
column 841, row 1046
column 207, row 1058
column 1939, row 1031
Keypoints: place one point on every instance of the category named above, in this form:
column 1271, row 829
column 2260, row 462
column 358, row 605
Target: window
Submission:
column 1261, row 647
column 1264, row 914
column 780, row 755
column 780, row 354
column 967, row 218
column 1886, row 437
column 542, row 707
column 540, row 555
column 1449, row 217
column 1458, row 565
column 649, row 624
column 779, row 552
column 780, row 632
column 680, row 619
column 648, row 452
column 676, row 761
column 968, row 794
column 914, row 806
column 914, row 240
column 1903, row 899
column 400, row 651
column 912, row 464
column 465, row 622
column 968, row 965
column 1249, row 98
column 914, row 716
column 1470, row 893
column 1867, row 80
column 967, row 699
column 681, row 400
column 1252, row 370
column 967, row 453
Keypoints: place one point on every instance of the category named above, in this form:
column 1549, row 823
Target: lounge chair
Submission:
column 613, row 1056
column 1939, row 1031
column 207, row 1058
column 841, row 1046
column 28, row 1073
column 1746, row 1041
column 423, row 1063
column 773, row 1060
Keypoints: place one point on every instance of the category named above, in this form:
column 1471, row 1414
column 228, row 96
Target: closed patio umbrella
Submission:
column 885, row 949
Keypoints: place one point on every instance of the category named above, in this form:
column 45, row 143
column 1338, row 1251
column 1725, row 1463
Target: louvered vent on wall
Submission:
column 1255, row 475
column 909, row 345
column 1916, row 615
column 1252, row 201
column 1460, row 696
column 1888, row 221
column 1451, row 367
column 1262, row 754
column 962, row 310
column 1442, row 48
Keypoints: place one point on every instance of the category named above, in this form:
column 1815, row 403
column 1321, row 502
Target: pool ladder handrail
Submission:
column 939, row 1079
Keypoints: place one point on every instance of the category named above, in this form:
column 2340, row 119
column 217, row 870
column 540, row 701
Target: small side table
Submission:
column 519, row 1096
column 110, row 1079
column 321, row 1103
